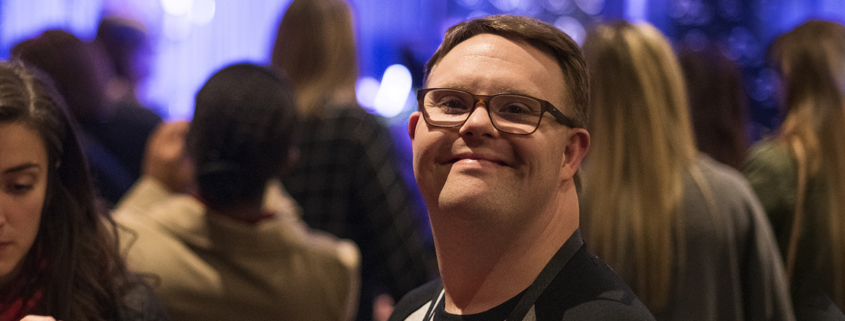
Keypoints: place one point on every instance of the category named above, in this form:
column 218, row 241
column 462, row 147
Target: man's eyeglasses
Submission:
column 509, row 113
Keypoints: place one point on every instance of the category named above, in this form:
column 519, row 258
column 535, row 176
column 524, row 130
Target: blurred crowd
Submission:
column 283, row 199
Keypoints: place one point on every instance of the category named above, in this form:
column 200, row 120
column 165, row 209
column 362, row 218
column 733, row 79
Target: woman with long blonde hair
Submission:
column 315, row 47
column 682, row 229
column 347, row 180
column 799, row 172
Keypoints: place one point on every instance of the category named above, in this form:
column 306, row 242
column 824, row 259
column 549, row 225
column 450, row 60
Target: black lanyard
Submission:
column 549, row 272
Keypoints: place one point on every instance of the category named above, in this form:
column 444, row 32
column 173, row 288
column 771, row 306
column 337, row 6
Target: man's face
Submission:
column 475, row 168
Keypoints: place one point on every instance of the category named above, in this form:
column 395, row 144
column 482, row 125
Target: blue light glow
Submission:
column 393, row 94
column 696, row 40
column 365, row 90
column 469, row 3
column 506, row 5
column 571, row 27
column 177, row 7
column 765, row 85
column 556, row 6
column 636, row 10
column 728, row 8
column 176, row 28
column 692, row 12
column 743, row 47
column 202, row 11
column 476, row 14
column 591, row 7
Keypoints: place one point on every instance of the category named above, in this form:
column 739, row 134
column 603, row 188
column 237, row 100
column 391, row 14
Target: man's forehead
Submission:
column 487, row 44
column 501, row 65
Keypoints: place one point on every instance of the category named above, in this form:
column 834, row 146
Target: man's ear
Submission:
column 412, row 124
column 576, row 148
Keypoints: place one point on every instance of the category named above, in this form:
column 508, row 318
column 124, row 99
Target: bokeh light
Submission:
column 766, row 84
column 571, row 27
column 177, row 7
column 470, row 3
column 743, row 47
column 366, row 89
column 176, row 28
column 696, row 40
column 636, row 10
column 729, row 8
column 477, row 13
column 506, row 5
column 591, row 7
column 202, row 11
column 556, row 6
column 392, row 95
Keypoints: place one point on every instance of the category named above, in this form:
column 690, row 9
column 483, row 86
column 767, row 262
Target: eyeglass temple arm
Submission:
column 560, row 117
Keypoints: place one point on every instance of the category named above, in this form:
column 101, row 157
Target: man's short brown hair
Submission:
column 538, row 34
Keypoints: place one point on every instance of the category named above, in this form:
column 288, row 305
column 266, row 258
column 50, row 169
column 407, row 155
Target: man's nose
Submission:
column 479, row 123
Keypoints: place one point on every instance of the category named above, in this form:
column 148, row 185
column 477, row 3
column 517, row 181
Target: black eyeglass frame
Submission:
column 545, row 106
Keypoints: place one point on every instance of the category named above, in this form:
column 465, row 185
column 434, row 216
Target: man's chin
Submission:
column 469, row 201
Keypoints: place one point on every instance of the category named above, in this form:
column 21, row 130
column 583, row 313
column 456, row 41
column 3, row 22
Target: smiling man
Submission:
column 497, row 143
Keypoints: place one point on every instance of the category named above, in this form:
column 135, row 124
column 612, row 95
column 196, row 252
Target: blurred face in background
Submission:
column 23, row 186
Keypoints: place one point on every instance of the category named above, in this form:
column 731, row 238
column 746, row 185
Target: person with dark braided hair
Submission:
column 236, row 249
column 58, row 249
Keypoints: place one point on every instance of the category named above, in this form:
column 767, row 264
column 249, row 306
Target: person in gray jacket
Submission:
column 684, row 231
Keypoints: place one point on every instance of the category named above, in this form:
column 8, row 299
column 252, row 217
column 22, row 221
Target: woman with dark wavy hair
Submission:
column 58, row 252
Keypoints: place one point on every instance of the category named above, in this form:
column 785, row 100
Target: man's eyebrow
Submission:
column 455, row 86
column 511, row 91
column 21, row 167
column 508, row 91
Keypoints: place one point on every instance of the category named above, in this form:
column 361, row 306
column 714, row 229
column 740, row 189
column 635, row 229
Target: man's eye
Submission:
column 453, row 103
column 516, row 109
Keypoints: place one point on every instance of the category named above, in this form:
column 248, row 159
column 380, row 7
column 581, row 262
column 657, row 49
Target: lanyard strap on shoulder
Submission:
column 440, row 295
column 546, row 276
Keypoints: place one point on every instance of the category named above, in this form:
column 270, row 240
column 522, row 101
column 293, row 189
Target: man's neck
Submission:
column 483, row 266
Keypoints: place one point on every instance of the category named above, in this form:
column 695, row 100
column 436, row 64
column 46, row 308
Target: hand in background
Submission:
column 165, row 158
